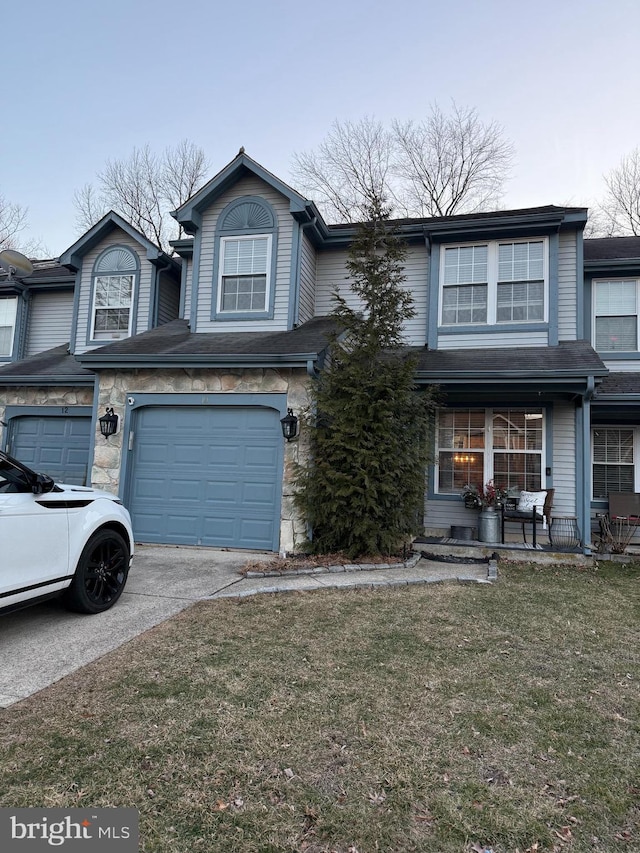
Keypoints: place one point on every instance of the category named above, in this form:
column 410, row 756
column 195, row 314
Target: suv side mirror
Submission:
column 42, row 485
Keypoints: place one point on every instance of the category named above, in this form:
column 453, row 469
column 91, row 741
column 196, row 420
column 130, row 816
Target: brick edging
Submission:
column 346, row 567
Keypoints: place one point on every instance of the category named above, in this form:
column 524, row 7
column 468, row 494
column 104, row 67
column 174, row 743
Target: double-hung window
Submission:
column 113, row 290
column 8, row 313
column 502, row 444
column 494, row 283
column 464, row 297
column 614, row 452
column 244, row 274
column 616, row 315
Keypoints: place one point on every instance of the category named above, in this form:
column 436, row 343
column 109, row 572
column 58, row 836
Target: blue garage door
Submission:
column 57, row 446
column 207, row 475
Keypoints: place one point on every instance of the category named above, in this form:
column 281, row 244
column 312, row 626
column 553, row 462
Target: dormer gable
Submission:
column 189, row 215
column 247, row 266
column 123, row 283
column 98, row 233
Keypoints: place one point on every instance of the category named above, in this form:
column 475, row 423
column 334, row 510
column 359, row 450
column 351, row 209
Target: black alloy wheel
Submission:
column 101, row 573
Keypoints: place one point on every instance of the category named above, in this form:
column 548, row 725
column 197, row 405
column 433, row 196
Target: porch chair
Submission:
column 624, row 506
column 619, row 524
column 533, row 516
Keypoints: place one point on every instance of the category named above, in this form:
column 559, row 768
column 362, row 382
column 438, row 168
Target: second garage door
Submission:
column 206, row 475
column 57, row 446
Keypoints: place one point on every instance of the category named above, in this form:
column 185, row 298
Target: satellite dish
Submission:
column 15, row 263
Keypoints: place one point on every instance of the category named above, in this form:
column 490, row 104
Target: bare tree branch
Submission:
column 349, row 171
column 184, row 169
column 144, row 188
column 90, row 206
column 621, row 207
column 448, row 163
column 451, row 163
column 13, row 221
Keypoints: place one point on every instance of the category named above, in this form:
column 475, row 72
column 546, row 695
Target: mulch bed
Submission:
column 294, row 562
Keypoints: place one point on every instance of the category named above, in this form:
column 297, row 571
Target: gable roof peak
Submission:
column 99, row 231
column 189, row 214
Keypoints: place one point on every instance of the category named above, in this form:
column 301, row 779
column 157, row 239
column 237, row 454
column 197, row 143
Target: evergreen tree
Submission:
column 363, row 489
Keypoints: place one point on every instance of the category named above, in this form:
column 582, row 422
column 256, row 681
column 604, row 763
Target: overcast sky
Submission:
column 84, row 82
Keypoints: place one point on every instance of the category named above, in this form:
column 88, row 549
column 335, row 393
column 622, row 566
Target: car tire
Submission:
column 100, row 575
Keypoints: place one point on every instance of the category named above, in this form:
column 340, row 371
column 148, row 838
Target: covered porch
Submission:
column 518, row 417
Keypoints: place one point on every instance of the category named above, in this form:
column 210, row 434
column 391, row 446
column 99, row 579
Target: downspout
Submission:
column 584, row 515
column 159, row 265
column 24, row 323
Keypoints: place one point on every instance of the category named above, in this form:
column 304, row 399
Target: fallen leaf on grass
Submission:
column 625, row 835
column 377, row 798
column 426, row 817
column 564, row 834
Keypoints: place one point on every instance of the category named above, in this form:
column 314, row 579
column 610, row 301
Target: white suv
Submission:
column 72, row 541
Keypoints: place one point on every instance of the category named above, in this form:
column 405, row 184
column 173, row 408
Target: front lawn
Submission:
column 440, row 718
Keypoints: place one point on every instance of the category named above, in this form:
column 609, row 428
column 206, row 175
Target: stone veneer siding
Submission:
column 44, row 395
column 116, row 386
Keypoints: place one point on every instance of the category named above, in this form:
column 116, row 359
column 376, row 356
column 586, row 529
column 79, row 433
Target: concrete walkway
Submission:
column 424, row 571
column 40, row 645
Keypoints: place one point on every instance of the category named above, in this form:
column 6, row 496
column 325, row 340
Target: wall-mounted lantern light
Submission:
column 108, row 423
column 289, row 425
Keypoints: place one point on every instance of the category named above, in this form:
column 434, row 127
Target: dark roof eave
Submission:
column 603, row 397
column 167, row 360
column 609, row 263
column 554, row 377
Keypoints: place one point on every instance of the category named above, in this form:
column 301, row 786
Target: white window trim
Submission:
column 12, row 339
column 492, row 281
column 594, row 316
column 636, row 450
column 115, row 335
column 488, row 450
column 268, row 284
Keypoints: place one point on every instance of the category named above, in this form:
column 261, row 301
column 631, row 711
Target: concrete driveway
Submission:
column 41, row 644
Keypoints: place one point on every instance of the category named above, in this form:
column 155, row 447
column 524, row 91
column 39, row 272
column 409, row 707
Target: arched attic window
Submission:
column 246, row 252
column 114, row 282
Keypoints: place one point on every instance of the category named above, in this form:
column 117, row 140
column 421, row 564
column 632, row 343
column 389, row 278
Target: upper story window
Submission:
column 244, row 266
column 246, row 260
column 8, row 314
column 114, row 279
column 492, row 283
column 616, row 315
